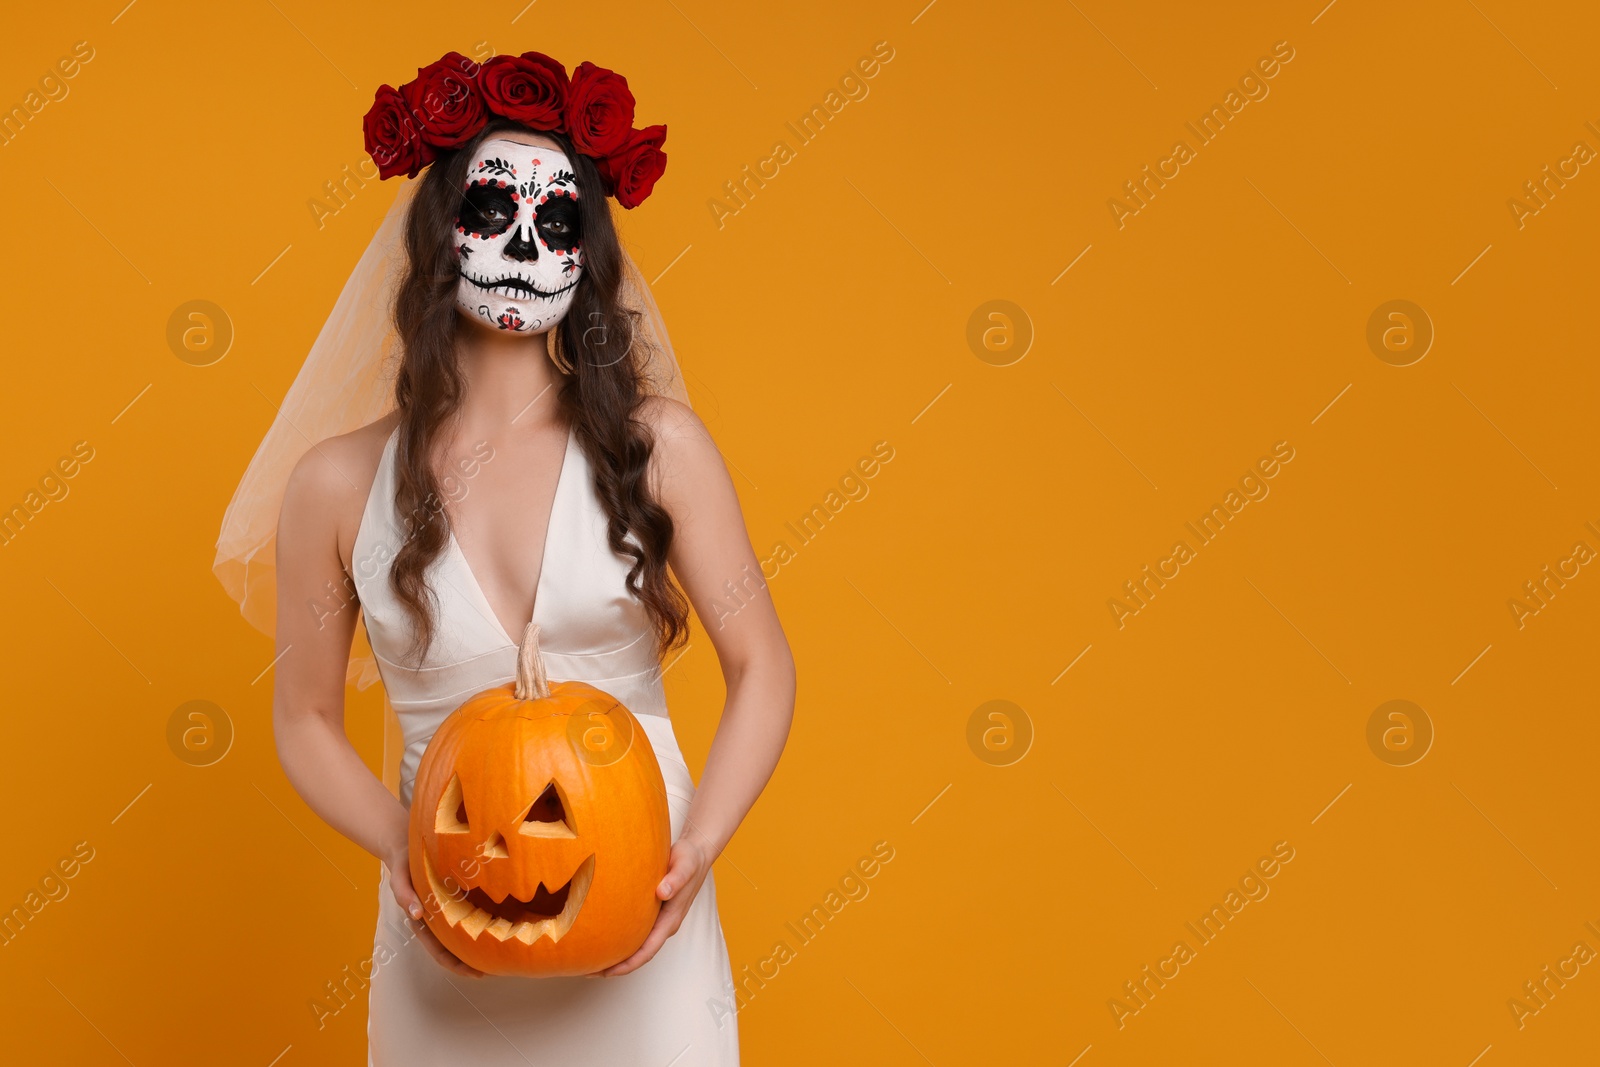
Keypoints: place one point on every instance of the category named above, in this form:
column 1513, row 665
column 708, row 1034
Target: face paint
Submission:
column 519, row 237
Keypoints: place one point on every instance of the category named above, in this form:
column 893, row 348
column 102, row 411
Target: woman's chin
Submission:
column 502, row 318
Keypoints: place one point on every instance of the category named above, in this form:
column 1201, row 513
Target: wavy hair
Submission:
column 601, row 399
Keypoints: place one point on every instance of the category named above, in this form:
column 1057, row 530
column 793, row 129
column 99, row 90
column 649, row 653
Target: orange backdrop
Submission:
column 1103, row 656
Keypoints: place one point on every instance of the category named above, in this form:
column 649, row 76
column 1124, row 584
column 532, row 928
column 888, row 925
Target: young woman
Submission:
column 531, row 471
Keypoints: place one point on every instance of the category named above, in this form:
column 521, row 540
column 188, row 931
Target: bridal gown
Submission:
column 675, row 1011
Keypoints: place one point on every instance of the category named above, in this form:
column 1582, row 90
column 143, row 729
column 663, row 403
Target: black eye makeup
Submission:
column 560, row 223
column 487, row 209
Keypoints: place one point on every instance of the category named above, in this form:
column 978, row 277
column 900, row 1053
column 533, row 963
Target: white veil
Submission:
column 346, row 382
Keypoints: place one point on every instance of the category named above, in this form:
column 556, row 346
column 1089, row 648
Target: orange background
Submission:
column 1228, row 715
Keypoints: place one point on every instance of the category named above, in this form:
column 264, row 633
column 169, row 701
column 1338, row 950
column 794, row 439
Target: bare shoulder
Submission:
column 682, row 444
column 682, row 440
column 332, row 480
column 670, row 419
column 689, row 472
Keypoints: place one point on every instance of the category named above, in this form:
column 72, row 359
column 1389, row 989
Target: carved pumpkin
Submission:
column 539, row 827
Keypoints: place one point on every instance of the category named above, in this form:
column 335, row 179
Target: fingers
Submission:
column 679, row 871
column 443, row 956
column 407, row 898
column 677, row 889
column 405, row 895
column 667, row 924
column 646, row 953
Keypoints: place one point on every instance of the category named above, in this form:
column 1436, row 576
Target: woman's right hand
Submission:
column 405, row 895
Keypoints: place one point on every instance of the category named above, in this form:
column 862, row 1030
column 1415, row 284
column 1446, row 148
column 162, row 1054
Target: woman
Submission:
column 525, row 417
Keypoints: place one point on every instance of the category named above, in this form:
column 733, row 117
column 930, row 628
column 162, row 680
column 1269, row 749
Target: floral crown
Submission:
column 451, row 100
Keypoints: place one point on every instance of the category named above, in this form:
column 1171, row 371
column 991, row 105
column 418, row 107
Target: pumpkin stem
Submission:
column 532, row 682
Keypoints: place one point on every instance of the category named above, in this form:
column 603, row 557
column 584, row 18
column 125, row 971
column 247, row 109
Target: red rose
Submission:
column 392, row 138
column 530, row 89
column 630, row 173
column 445, row 102
column 599, row 110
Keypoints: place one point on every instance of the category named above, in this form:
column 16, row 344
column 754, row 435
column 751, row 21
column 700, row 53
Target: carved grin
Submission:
column 514, row 287
column 550, row 913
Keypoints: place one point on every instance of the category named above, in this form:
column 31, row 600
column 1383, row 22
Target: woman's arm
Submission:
column 314, row 635
column 710, row 549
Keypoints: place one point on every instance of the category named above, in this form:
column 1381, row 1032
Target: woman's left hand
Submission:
column 687, row 870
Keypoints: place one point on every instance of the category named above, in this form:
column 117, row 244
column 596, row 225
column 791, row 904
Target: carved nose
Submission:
column 523, row 246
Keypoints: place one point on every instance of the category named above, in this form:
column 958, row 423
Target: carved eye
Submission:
column 547, row 816
column 452, row 815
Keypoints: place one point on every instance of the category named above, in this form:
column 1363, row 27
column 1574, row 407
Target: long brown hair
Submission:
column 600, row 399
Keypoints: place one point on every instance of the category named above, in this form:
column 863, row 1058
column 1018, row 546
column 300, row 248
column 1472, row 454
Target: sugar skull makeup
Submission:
column 519, row 237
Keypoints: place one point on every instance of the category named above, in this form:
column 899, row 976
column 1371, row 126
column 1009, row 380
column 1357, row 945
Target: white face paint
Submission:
column 519, row 237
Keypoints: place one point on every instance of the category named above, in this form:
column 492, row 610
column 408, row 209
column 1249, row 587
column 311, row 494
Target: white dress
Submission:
column 676, row 1009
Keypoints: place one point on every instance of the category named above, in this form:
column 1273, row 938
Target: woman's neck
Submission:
column 511, row 383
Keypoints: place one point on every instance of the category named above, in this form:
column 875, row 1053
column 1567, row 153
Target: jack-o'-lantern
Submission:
column 539, row 827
